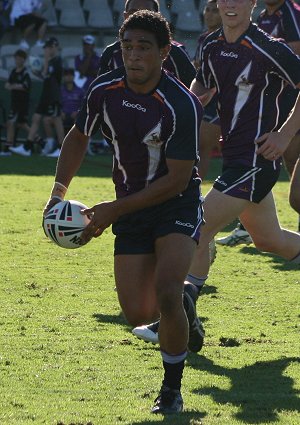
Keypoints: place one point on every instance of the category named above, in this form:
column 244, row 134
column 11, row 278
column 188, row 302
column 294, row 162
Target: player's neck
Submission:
column 271, row 8
column 233, row 34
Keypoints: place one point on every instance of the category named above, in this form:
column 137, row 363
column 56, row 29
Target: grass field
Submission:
column 68, row 357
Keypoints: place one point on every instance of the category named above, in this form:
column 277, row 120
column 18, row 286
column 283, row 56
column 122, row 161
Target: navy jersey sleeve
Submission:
column 184, row 70
column 89, row 118
column 187, row 114
column 104, row 61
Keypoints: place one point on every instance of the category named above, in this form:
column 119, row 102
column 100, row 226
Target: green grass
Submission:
column 68, row 357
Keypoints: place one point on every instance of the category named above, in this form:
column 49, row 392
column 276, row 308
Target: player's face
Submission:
column 212, row 17
column 19, row 60
column 142, row 59
column 235, row 13
column 136, row 5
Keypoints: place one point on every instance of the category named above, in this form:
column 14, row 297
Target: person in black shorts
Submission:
column 50, row 102
column 19, row 84
column 27, row 16
column 151, row 120
column 178, row 61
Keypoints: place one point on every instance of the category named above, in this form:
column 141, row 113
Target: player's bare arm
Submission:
column 164, row 188
column 204, row 94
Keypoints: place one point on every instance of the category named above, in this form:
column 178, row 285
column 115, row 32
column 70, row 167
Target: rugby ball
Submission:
column 64, row 224
column 35, row 63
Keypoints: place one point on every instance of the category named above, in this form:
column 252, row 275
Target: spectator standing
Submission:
column 19, row 84
column 87, row 64
column 4, row 16
column 49, row 103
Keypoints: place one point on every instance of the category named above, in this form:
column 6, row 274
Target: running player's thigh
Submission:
column 134, row 276
column 209, row 134
column 261, row 220
column 292, row 153
column 219, row 210
column 174, row 254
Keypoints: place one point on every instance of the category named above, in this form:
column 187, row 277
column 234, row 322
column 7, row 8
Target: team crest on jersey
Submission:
column 153, row 137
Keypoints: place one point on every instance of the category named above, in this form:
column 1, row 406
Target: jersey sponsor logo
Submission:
column 229, row 54
column 184, row 224
column 134, row 106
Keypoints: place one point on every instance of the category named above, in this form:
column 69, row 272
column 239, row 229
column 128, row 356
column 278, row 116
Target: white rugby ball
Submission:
column 64, row 224
column 35, row 63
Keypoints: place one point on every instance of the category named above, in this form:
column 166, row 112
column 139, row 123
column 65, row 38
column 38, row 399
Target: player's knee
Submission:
column 266, row 244
column 169, row 298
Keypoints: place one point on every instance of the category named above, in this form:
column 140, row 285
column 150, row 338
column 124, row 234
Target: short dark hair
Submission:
column 152, row 22
column 21, row 53
column 155, row 4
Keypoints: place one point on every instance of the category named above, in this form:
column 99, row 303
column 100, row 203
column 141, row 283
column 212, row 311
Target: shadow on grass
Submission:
column 279, row 263
column 110, row 318
column 92, row 166
column 183, row 418
column 260, row 391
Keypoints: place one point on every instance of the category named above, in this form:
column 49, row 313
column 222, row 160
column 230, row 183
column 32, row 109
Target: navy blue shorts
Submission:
column 248, row 183
column 136, row 233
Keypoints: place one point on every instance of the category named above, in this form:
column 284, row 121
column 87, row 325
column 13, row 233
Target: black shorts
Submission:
column 25, row 21
column 49, row 109
column 18, row 114
column 210, row 113
column 136, row 233
column 248, row 183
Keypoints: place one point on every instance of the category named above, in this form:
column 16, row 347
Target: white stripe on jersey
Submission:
column 188, row 93
column 292, row 12
column 114, row 141
column 273, row 59
column 86, row 131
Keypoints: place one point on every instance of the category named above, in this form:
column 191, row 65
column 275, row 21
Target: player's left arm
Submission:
column 162, row 189
column 275, row 143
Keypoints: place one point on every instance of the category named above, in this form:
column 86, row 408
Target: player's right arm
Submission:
column 204, row 94
column 72, row 153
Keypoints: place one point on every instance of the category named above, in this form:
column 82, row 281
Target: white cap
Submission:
column 88, row 39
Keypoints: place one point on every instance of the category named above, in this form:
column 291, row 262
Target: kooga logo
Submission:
column 134, row 106
column 229, row 55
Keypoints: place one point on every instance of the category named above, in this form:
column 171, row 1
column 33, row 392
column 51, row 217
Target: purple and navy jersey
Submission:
column 144, row 130
column 92, row 69
column 201, row 39
column 71, row 99
column 178, row 61
column 249, row 75
column 283, row 23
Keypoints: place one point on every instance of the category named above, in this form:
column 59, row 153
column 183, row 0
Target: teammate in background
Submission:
column 157, row 187
column 49, row 103
column 177, row 62
column 210, row 127
column 280, row 19
column 87, row 64
column 248, row 68
column 19, row 84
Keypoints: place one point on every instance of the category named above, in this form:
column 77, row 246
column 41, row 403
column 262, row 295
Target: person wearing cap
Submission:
column 19, row 84
column 49, row 104
column 87, row 64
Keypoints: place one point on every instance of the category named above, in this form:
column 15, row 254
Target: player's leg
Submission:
column 261, row 221
column 291, row 154
column 216, row 218
column 171, row 268
column 294, row 197
column 134, row 276
column 209, row 136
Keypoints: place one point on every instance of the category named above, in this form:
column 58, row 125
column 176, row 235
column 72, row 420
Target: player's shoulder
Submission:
column 265, row 42
column 110, row 78
column 212, row 37
column 178, row 48
column 177, row 94
column 110, row 48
